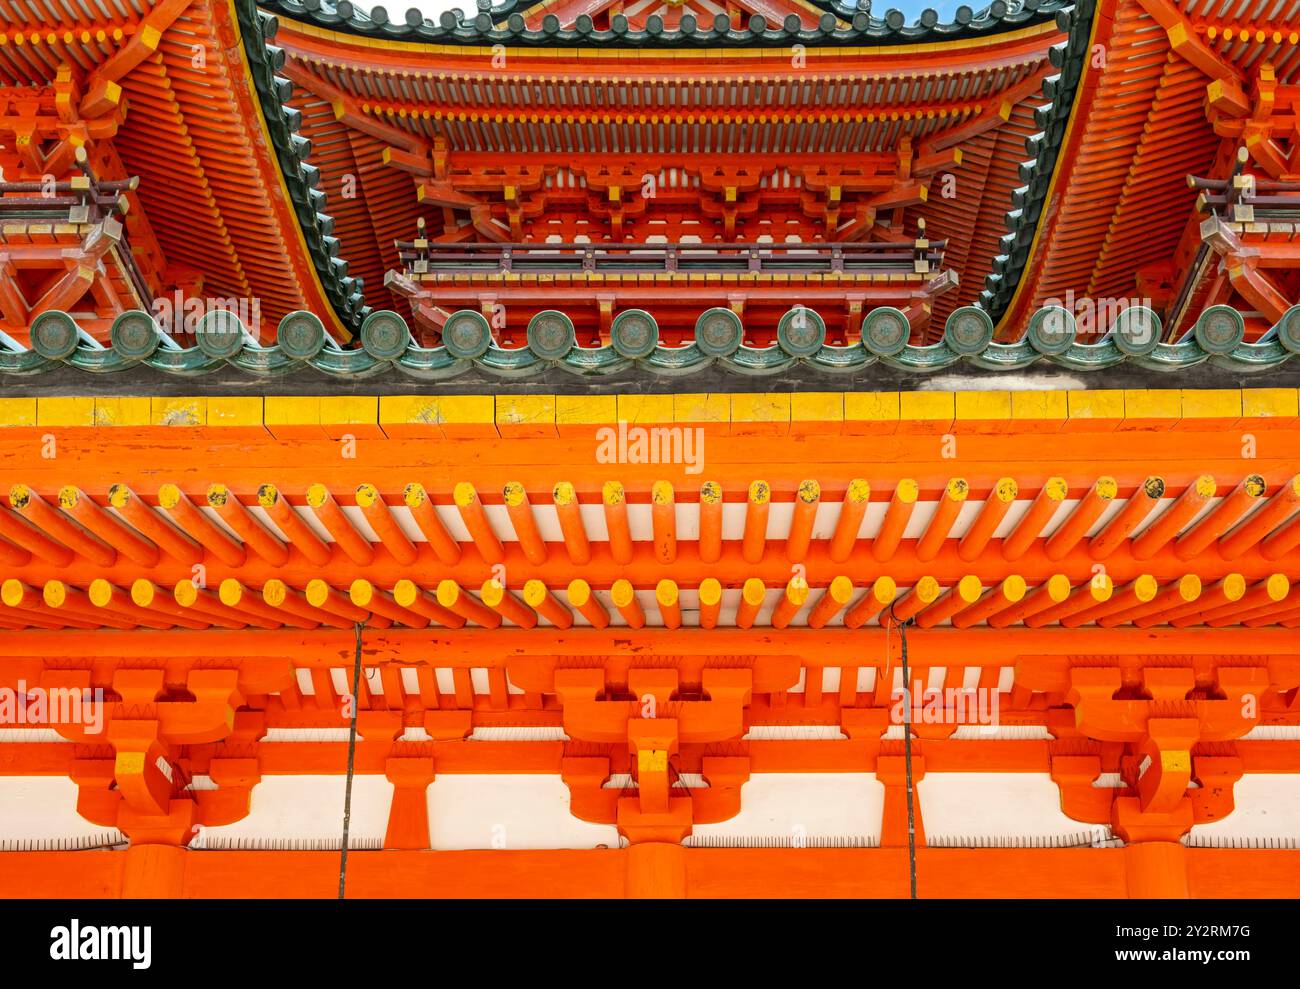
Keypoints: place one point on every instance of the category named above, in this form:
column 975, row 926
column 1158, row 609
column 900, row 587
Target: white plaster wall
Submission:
column 812, row 805
column 989, row 805
column 1267, row 806
column 42, row 807
column 500, row 810
column 311, row 808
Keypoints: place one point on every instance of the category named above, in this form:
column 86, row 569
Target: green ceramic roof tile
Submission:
column 292, row 153
column 386, row 341
column 844, row 22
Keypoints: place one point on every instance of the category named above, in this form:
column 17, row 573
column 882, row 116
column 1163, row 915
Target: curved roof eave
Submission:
column 1029, row 201
column 257, row 29
column 503, row 23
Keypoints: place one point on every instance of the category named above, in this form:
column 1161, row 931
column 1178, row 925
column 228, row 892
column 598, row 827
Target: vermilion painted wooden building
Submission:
column 555, row 432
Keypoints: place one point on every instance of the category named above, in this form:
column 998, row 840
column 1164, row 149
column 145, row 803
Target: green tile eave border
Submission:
column 221, row 341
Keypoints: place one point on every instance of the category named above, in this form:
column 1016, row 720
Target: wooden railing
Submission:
column 885, row 257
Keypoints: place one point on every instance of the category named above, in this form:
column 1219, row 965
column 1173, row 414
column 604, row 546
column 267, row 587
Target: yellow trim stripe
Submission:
column 750, row 412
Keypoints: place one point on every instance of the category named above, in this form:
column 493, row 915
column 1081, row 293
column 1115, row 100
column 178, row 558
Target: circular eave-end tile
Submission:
column 385, row 335
column 1052, row 330
column 1219, row 329
column 220, row 334
column 551, row 335
column 718, row 332
column 1288, row 330
column 467, row 334
column 801, row 332
column 969, row 331
column 135, row 335
column 1137, row 331
column 301, row 335
column 885, row 331
column 634, row 334
column 54, row 335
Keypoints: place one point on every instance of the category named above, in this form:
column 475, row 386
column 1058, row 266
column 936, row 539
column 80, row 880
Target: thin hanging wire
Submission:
column 907, row 744
column 352, row 759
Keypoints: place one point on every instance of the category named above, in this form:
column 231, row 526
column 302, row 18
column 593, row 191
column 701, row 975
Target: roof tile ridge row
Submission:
column 1133, row 336
column 504, row 22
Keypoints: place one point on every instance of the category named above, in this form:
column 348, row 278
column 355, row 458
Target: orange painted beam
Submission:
column 704, row 872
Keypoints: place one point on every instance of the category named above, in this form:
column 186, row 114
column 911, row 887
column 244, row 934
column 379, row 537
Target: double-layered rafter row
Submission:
column 1157, row 555
column 661, row 634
